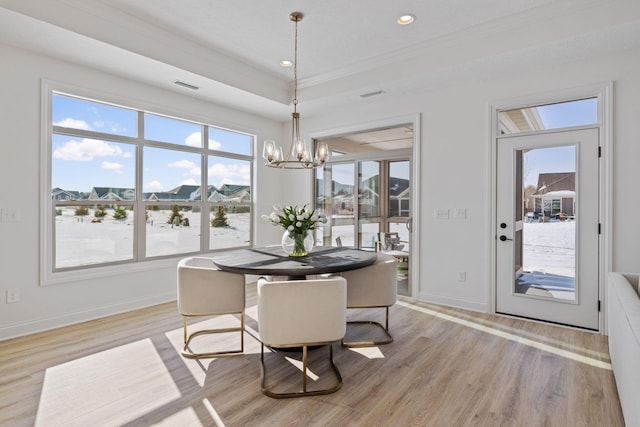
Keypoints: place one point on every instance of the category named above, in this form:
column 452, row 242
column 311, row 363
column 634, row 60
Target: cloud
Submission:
column 87, row 150
column 192, row 168
column 111, row 166
column 230, row 174
column 194, row 140
column 190, row 181
column 73, row 123
column 153, row 186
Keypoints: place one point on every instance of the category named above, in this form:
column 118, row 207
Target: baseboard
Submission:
column 40, row 325
column 453, row 302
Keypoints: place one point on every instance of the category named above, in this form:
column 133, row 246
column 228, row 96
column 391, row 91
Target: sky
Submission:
column 559, row 159
column 79, row 164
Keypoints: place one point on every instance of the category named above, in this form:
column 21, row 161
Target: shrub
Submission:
column 220, row 220
column 176, row 217
column 82, row 211
column 120, row 212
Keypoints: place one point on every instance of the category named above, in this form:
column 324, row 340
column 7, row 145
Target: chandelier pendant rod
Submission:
column 299, row 156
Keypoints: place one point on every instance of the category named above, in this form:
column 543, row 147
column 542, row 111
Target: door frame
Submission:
column 415, row 121
column 604, row 93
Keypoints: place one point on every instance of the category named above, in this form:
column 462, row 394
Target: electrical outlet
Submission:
column 462, row 276
column 13, row 295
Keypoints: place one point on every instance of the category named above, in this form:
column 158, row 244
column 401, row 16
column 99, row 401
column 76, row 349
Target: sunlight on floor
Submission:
column 298, row 364
column 214, row 415
column 368, row 352
column 112, row 385
column 515, row 338
column 541, row 338
column 199, row 367
column 186, row 417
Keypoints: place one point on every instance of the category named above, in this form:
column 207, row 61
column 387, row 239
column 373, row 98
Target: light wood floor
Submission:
column 446, row 367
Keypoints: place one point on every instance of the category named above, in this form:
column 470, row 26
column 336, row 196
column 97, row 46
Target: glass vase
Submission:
column 297, row 244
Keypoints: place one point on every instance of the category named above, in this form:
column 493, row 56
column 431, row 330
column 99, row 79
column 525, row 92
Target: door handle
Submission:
column 409, row 223
column 504, row 238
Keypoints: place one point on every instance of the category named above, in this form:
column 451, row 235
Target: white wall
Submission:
column 51, row 306
column 455, row 168
column 455, row 164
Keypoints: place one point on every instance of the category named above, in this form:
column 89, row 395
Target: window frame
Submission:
column 139, row 261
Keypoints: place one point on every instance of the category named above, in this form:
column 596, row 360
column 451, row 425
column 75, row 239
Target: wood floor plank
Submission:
column 446, row 367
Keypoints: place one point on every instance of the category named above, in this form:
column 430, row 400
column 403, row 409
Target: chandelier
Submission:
column 299, row 156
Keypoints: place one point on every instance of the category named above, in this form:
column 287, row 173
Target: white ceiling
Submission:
column 231, row 48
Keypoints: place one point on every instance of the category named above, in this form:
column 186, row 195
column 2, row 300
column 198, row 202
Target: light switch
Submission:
column 442, row 213
column 460, row 213
column 10, row 215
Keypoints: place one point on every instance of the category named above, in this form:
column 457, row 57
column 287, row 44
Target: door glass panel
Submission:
column 343, row 204
column 368, row 235
column 399, row 190
column 369, row 189
column 403, row 233
column 545, row 240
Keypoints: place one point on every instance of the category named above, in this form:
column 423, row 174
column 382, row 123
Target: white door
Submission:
column 548, row 227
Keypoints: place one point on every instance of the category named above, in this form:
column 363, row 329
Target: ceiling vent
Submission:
column 187, row 85
column 367, row 95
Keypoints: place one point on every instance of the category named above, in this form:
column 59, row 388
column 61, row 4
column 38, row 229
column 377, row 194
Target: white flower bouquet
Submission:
column 297, row 222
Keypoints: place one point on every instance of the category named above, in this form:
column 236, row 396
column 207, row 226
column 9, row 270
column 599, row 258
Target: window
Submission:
column 560, row 115
column 128, row 185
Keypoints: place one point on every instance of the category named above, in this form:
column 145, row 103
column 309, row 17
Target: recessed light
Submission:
column 286, row 63
column 406, row 19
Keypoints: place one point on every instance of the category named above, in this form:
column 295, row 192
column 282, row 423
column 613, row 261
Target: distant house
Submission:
column 399, row 196
column 112, row 194
column 183, row 192
column 60, row 194
column 555, row 194
column 342, row 199
column 227, row 193
column 229, row 189
column 197, row 195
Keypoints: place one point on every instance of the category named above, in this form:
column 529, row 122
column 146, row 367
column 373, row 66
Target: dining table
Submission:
column 273, row 261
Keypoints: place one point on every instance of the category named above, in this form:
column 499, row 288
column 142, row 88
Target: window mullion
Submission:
column 140, row 236
column 205, row 244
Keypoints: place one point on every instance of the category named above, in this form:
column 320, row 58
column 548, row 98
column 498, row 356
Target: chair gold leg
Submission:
column 186, row 352
column 385, row 330
column 304, row 392
column 304, row 368
column 387, row 320
column 185, row 330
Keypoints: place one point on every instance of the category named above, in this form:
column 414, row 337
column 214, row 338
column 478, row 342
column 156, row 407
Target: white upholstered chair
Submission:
column 204, row 290
column 301, row 313
column 374, row 286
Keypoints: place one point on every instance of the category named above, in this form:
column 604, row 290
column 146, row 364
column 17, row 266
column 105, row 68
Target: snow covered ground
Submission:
column 549, row 257
column 79, row 241
column 549, row 248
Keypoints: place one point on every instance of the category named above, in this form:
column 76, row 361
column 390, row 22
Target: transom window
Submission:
column 129, row 185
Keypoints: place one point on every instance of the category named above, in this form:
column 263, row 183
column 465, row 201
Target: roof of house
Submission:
column 557, row 181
